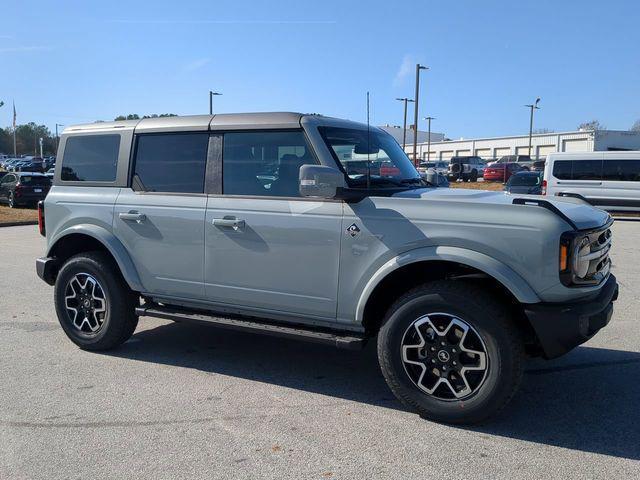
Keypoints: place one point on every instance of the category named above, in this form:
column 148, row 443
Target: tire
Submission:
column 489, row 329
column 110, row 320
column 474, row 176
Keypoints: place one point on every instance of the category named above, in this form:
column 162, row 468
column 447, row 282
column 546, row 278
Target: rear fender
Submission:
column 111, row 243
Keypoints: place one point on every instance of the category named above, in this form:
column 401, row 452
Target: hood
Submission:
column 583, row 215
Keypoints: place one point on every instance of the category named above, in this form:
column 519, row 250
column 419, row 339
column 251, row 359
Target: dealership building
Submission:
column 541, row 144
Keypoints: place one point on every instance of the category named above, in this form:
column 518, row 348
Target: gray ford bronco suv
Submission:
column 321, row 229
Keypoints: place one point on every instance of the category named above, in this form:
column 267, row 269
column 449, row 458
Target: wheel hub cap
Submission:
column 85, row 303
column 444, row 356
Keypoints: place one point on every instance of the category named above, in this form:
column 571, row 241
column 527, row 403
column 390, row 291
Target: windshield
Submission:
column 374, row 153
column 524, row 181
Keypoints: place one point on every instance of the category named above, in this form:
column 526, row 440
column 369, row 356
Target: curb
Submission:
column 18, row 224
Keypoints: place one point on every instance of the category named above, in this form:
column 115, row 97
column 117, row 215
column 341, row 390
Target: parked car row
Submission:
column 28, row 164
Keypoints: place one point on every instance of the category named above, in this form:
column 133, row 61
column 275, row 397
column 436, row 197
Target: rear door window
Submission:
column 90, row 158
column 621, row 170
column 587, row 170
column 171, row 162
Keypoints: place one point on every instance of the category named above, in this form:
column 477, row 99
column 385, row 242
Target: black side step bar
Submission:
column 347, row 341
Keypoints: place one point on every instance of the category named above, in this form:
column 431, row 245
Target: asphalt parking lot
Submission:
column 180, row 401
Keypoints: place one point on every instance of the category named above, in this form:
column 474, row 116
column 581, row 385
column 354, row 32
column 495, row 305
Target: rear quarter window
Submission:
column 90, row 158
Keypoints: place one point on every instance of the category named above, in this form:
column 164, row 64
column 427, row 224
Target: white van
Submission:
column 607, row 180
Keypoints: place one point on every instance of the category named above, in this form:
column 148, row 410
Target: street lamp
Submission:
column 404, row 125
column 415, row 113
column 533, row 107
column 211, row 94
column 428, row 119
column 57, row 136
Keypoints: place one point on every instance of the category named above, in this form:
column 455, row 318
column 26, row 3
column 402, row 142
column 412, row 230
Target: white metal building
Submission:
column 396, row 132
column 541, row 144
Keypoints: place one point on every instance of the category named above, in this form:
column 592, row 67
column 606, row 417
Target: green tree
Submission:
column 636, row 126
column 135, row 116
column 28, row 140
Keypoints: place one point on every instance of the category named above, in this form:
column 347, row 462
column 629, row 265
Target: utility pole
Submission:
column 415, row 113
column 533, row 106
column 428, row 119
column 41, row 152
column 211, row 94
column 404, row 125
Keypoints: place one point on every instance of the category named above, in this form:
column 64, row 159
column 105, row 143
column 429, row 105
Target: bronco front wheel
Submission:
column 450, row 352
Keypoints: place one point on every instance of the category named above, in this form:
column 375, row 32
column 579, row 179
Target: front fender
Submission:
column 112, row 244
column 486, row 264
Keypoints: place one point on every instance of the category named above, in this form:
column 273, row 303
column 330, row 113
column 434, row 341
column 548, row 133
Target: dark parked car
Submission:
column 21, row 188
column 501, row 172
column 525, row 182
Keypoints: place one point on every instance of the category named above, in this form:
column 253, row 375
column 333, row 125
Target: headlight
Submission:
column 584, row 257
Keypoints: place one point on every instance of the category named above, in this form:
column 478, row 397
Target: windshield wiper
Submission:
column 376, row 181
column 421, row 181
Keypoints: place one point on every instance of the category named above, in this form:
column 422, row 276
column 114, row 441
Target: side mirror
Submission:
column 320, row 181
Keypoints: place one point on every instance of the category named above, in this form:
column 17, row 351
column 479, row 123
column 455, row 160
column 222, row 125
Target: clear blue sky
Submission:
column 76, row 61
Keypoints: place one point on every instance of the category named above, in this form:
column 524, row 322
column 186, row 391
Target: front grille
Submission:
column 597, row 255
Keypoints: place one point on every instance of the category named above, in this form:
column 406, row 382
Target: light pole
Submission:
column 428, row 119
column 404, row 125
column 415, row 113
column 57, row 136
column 533, row 107
column 211, row 94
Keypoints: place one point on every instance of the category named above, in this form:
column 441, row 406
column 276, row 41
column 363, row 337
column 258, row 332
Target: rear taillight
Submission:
column 41, row 226
column 544, row 187
column 17, row 191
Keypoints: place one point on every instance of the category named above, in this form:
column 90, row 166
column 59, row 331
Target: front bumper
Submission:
column 47, row 268
column 561, row 327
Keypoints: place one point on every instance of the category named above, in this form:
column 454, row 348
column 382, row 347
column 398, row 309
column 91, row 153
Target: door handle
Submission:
column 232, row 222
column 133, row 217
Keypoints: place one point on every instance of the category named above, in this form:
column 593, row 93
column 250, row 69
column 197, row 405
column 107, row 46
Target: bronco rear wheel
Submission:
column 450, row 353
column 95, row 307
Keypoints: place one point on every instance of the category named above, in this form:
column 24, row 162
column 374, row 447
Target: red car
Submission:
column 496, row 171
